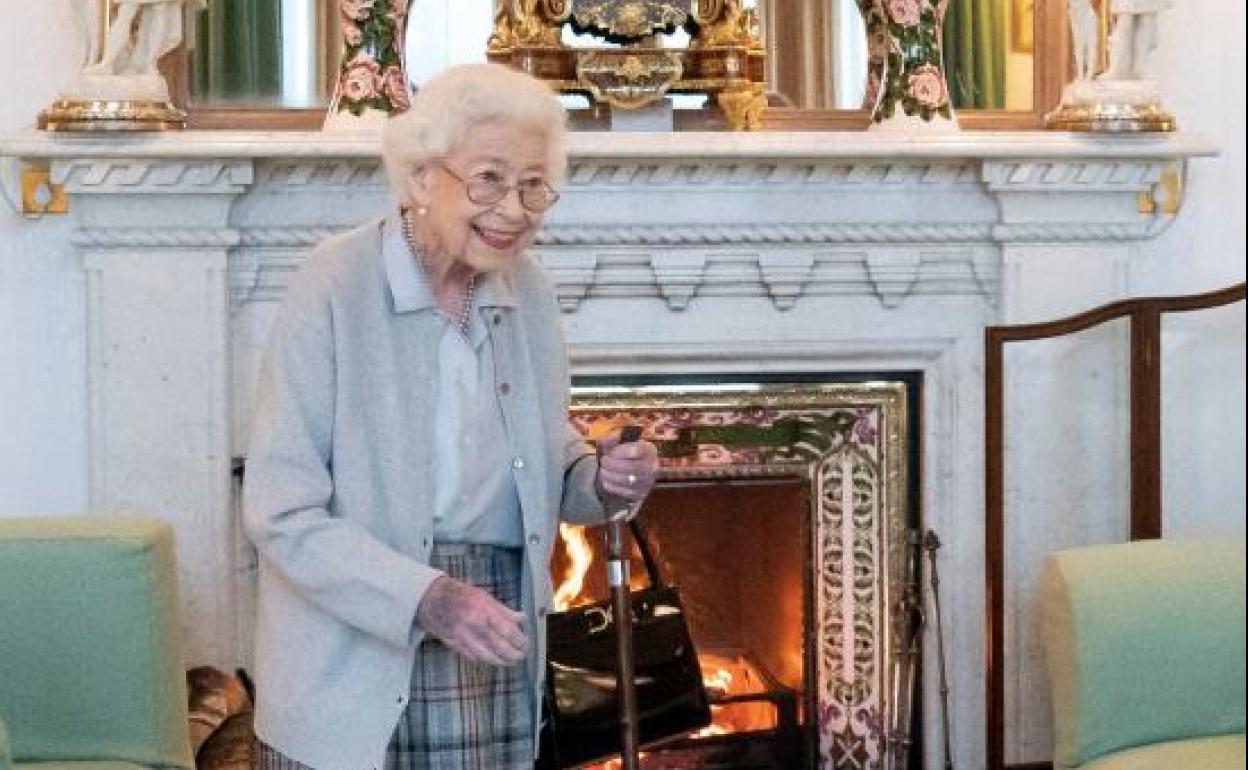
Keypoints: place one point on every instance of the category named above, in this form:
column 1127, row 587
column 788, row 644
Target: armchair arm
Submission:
column 1144, row 643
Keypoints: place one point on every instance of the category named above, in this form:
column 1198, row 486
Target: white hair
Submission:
column 460, row 98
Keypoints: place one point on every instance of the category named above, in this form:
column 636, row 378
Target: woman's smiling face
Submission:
column 486, row 237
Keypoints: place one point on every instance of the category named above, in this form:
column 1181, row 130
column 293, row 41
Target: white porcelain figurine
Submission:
column 1133, row 37
column 1116, row 96
column 118, row 86
column 124, row 66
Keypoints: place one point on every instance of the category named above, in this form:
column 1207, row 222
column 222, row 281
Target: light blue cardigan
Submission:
column 339, row 490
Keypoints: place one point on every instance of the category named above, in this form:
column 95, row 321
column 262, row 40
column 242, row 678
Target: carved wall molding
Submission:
column 762, row 233
column 785, row 275
column 155, row 237
column 680, row 277
column 695, row 172
column 1079, row 232
column 677, row 235
column 262, row 276
column 287, row 237
column 1072, row 175
column 155, row 175
column 573, row 274
column 330, row 172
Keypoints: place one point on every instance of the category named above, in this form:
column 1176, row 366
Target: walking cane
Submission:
column 622, row 613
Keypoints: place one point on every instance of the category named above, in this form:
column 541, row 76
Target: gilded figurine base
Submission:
column 111, row 115
column 1111, row 118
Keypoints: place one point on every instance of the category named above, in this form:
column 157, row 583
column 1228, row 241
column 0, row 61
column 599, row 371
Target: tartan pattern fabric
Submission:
column 462, row 715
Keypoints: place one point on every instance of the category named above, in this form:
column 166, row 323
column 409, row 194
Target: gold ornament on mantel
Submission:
column 724, row 58
column 118, row 86
column 1111, row 91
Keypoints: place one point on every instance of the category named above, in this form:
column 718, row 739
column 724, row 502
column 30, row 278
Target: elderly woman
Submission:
column 411, row 454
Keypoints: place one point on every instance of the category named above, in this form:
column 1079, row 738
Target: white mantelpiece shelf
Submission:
column 865, row 145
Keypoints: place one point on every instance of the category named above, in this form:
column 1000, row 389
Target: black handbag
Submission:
column 582, row 721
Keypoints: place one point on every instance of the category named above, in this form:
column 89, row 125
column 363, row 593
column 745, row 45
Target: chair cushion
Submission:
column 1224, row 752
column 90, row 648
column 1145, row 644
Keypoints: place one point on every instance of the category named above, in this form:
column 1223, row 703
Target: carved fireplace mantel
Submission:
column 686, row 253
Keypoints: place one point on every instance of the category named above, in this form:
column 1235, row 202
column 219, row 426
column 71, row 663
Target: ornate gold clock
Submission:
column 724, row 58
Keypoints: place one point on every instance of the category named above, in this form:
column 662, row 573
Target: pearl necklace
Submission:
column 409, row 235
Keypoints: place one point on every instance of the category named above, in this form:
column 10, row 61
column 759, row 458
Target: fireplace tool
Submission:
column 909, row 621
column 931, row 544
column 622, row 611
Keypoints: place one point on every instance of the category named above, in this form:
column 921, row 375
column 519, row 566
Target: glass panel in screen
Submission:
column 283, row 53
column 1067, row 466
column 1202, row 421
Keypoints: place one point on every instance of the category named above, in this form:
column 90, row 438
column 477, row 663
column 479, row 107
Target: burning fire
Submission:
column 572, row 590
column 730, row 676
column 581, row 556
column 724, row 676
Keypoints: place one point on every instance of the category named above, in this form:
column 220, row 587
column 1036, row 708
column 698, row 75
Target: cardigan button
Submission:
column 518, row 463
column 504, row 388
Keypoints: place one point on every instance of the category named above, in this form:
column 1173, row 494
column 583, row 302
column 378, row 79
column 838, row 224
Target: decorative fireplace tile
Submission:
column 849, row 441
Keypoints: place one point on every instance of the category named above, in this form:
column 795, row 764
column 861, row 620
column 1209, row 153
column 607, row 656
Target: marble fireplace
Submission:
column 677, row 256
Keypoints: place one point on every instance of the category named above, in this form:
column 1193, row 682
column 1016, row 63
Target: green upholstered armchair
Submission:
column 91, row 674
column 1145, row 648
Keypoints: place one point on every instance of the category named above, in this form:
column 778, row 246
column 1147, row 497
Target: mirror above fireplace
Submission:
column 271, row 64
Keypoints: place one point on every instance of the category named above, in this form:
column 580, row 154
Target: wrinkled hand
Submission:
column 626, row 472
column 472, row 623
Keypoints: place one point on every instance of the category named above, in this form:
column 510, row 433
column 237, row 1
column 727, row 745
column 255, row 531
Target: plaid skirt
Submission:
column 462, row 715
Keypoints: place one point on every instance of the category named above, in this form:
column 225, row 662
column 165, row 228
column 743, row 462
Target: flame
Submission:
column 720, row 681
column 728, row 675
column 615, row 763
column 714, row 728
column 581, row 555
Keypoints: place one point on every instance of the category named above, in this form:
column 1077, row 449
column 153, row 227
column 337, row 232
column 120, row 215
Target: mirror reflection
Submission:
column 283, row 53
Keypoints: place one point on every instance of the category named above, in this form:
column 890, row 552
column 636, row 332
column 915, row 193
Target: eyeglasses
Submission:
column 487, row 188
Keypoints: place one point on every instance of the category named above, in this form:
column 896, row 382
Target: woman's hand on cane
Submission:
column 626, row 470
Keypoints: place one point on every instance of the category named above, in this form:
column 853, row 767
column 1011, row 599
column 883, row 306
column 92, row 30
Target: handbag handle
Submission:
column 647, row 553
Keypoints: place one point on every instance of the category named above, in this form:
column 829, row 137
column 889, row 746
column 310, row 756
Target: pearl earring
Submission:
column 421, row 211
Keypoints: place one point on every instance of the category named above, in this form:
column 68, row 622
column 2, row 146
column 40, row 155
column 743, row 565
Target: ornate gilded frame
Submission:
column 850, row 441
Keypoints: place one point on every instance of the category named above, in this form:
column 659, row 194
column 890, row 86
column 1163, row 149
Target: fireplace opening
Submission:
column 734, row 550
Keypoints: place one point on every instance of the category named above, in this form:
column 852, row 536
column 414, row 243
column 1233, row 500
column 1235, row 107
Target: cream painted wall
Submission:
column 1201, row 71
column 43, row 420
